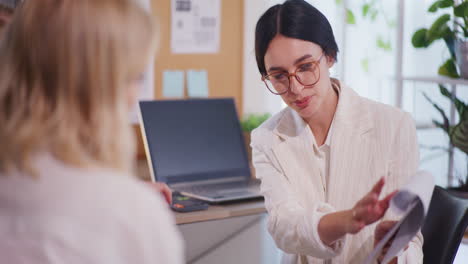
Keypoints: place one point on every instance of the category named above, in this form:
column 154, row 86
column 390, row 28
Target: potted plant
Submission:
column 458, row 134
column 452, row 29
column 249, row 123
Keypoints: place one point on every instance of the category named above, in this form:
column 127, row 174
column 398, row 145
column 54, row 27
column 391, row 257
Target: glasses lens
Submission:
column 277, row 82
column 307, row 74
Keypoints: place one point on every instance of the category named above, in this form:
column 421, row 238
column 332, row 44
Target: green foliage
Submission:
column 439, row 28
column 365, row 64
column 458, row 133
column 440, row 4
column 385, row 45
column 419, row 39
column 350, row 18
column 443, row 29
column 370, row 10
column 459, row 136
column 365, row 9
column 461, row 10
column 449, row 69
column 252, row 121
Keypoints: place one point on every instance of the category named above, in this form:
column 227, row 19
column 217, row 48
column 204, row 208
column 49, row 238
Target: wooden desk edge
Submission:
column 217, row 212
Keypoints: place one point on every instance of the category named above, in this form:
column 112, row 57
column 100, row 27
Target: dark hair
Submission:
column 294, row 19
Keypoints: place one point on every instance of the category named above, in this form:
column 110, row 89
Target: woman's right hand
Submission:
column 369, row 209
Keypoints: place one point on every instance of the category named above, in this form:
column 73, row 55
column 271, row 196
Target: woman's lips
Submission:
column 304, row 102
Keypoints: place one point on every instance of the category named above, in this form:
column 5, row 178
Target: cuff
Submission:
column 337, row 247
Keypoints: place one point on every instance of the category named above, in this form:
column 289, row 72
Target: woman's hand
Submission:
column 380, row 232
column 163, row 189
column 369, row 209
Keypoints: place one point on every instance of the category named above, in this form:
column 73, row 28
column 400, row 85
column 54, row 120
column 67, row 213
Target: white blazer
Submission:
column 369, row 140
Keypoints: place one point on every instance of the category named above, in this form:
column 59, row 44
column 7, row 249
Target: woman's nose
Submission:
column 294, row 85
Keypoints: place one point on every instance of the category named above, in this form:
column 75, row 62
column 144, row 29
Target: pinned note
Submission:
column 173, row 84
column 197, row 83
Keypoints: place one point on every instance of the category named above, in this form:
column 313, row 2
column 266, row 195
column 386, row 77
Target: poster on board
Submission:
column 195, row 26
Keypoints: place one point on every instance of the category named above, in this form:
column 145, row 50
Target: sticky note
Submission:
column 197, row 83
column 173, row 84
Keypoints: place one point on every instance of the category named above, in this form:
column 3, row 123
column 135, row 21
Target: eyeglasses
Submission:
column 307, row 74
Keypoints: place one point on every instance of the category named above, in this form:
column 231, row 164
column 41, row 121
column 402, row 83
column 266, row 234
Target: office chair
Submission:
column 446, row 222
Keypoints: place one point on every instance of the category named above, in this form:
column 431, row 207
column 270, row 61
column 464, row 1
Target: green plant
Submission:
column 370, row 11
column 252, row 121
column 458, row 134
column 447, row 27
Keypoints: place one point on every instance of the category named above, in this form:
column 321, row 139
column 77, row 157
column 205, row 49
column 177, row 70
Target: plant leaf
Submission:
column 438, row 124
column 461, row 10
column 446, row 125
column 374, row 14
column 365, row 64
column 440, row 4
column 459, row 136
column 350, row 18
column 338, row 2
column 459, row 105
column 392, row 24
column 446, row 3
column 365, row 10
column 419, row 39
column 252, row 121
column 433, row 8
column 439, row 28
column 449, row 69
column 385, row 45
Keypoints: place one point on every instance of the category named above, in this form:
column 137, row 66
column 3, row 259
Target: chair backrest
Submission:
column 446, row 222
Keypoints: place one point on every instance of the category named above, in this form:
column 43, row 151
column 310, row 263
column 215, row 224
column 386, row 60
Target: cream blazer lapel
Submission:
column 296, row 158
column 352, row 152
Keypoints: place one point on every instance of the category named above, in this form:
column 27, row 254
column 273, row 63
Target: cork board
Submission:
column 224, row 68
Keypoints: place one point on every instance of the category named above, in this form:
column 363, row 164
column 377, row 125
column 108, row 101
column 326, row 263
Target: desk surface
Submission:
column 216, row 212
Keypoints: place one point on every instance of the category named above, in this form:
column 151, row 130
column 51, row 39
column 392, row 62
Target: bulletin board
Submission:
column 224, row 68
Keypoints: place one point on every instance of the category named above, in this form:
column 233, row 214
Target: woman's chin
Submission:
column 306, row 112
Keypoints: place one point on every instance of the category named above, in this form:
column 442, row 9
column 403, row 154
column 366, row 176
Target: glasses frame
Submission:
column 316, row 64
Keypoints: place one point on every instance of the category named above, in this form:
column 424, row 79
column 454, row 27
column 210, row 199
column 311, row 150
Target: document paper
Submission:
column 411, row 203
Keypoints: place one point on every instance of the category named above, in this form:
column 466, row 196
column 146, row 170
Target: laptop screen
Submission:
column 195, row 139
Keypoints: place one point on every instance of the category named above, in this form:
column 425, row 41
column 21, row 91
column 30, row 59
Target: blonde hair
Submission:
column 64, row 83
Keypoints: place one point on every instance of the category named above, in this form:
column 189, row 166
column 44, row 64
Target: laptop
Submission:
column 196, row 147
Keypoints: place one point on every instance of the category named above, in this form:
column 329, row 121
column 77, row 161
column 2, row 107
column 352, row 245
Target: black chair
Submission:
column 446, row 222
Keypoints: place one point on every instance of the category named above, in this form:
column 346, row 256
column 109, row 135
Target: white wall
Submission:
column 256, row 98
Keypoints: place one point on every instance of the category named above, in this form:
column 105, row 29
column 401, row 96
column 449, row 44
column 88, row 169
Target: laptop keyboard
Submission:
column 218, row 187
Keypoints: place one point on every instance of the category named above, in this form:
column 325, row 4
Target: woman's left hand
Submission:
column 380, row 231
column 163, row 189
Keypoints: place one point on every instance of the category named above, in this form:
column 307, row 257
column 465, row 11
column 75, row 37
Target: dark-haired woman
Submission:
column 325, row 160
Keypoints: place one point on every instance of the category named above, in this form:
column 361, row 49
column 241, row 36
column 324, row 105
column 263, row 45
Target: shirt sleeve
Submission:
column 293, row 226
column 155, row 234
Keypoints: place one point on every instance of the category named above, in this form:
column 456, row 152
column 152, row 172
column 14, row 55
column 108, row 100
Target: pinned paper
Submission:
column 195, row 26
column 173, row 84
column 197, row 83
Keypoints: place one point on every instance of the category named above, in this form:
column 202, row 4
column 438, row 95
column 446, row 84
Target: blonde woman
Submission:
column 69, row 70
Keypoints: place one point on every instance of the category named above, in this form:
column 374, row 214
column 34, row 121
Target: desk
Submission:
column 218, row 212
column 220, row 233
column 216, row 235
column 228, row 233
